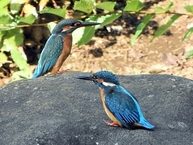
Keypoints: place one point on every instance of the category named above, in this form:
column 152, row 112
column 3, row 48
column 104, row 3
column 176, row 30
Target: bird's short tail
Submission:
column 34, row 76
column 144, row 123
column 36, row 73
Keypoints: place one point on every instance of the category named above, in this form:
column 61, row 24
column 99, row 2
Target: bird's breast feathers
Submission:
column 67, row 43
column 109, row 114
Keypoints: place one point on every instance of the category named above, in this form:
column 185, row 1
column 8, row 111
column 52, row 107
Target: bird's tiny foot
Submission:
column 114, row 124
column 62, row 71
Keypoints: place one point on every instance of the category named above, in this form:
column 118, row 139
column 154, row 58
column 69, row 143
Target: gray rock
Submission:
column 61, row 110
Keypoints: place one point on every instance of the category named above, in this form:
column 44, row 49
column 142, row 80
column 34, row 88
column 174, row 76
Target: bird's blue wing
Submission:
column 122, row 105
column 49, row 55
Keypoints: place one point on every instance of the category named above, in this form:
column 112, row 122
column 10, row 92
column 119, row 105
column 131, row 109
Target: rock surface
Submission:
column 61, row 110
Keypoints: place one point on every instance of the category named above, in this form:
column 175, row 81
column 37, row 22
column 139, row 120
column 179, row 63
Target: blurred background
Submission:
column 135, row 37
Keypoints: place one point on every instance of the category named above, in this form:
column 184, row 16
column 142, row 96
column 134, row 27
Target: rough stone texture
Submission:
column 61, row 110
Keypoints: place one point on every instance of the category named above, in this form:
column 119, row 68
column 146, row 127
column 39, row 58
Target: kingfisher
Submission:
column 58, row 46
column 119, row 104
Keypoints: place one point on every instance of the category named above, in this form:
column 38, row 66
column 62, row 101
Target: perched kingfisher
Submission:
column 119, row 104
column 58, row 46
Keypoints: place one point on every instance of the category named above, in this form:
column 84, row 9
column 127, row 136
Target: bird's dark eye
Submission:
column 95, row 77
column 76, row 24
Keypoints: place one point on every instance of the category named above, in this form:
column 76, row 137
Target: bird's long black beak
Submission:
column 84, row 24
column 85, row 77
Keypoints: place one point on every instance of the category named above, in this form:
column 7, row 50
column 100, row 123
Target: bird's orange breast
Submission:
column 109, row 114
column 67, row 45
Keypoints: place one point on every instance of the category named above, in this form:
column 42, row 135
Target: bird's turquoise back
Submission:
column 49, row 55
column 125, row 107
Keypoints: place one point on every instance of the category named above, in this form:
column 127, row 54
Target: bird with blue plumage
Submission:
column 58, row 46
column 119, row 104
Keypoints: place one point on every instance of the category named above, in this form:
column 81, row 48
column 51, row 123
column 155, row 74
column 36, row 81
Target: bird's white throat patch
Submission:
column 107, row 84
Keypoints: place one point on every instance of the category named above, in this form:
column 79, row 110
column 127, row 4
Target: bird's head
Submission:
column 102, row 79
column 69, row 25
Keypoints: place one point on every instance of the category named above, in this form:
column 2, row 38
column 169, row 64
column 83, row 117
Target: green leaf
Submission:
column 107, row 19
column 1, row 39
column 3, row 58
column 51, row 25
column 140, row 28
column 58, row 12
column 5, row 19
column 189, row 8
column 162, row 10
column 18, row 36
column 21, row 75
column 15, row 8
column 4, row 48
column 87, row 35
column 169, row 6
column 5, row 27
column 28, row 20
column 188, row 33
column 93, row 18
column 19, row 60
column 89, row 31
column 4, row 11
column 159, row 10
column 4, row 3
column 77, row 35
column 109, row 6
column 80, row 34
column 84, row 6
column 190, row 53
column 134, row 6
column 13, row 38
column 162, row 29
